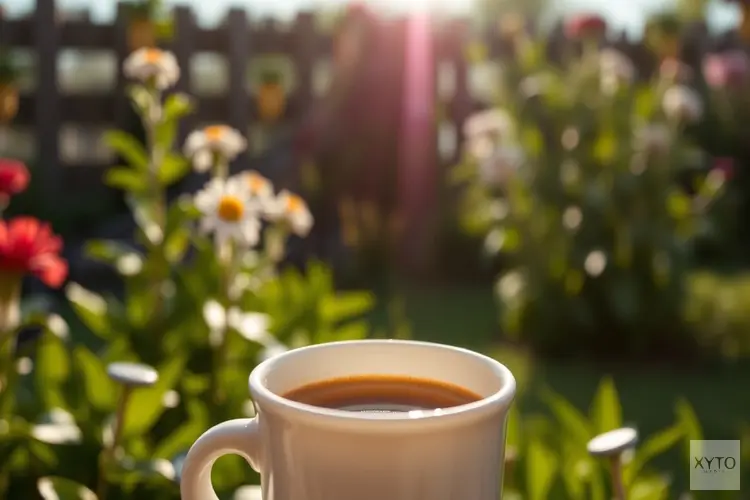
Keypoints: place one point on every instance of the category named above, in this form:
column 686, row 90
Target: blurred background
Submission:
column 592, row 239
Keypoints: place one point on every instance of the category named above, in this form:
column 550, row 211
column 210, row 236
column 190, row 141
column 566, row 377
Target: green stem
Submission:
column 156, row 158
column 7, row 390
column 107, row 454
column 10, row 290
column 225, row 254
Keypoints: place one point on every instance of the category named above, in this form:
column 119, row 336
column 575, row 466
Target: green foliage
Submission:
column 9, row 71
column 145, row 9
column 716, row 311
column 575, row 183
column 203, row 312
column 556, row 464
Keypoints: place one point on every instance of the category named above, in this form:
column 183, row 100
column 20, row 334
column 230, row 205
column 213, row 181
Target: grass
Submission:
column 466, row 316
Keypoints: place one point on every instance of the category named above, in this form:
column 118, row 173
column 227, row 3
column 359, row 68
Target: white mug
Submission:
column 305, row 452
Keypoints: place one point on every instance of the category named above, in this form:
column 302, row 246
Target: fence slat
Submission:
column 47, row 112
column 239, row 49
column 78, row 109
column 183, row 49
column 85, row 35
column 120, row 106
column 305, row 56
column 47, row 32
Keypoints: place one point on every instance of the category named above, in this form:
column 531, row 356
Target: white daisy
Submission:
column 681, row 103
column 203, row 145
column 495, row 170
column 653, row 138
column 616, row 70
column 510, row 285
column 228, row 211
column 259, row 187
column 152, row 65
column 493, row 122
column 251, row 325
column 292, row 209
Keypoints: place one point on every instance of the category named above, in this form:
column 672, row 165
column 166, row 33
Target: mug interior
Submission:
column 475, row 372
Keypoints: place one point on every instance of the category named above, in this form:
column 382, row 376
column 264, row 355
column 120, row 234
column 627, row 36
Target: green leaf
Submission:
column 141, row 98
column 605, row 148
column 180, row 212
column 52, row 369
column 177, row 106
column 541, row 468
column 165, row 28
column 173, row 169
column 574, row 423
column 651, row 488
column 145, row 406
column 351, row 331
column 145, row 218
column 128, row 147
column 185, row 435
column 679, row 205
column 606, row 413
column 513, row 430
column 687, row 418
column 91, row 308
column 59, row 488
column 107, row 251
column 42, row 453
column 533, row 141
column 335, row 308
column 653, row 447
column 645, row 103
column 176, row 244
column 126, row 178
column 576, row 470
column 100, row 390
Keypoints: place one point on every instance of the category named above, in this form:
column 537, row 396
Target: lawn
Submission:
column 466, row 316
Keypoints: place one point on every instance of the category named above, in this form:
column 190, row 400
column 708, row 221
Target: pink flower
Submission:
column 729, row 69
column 586, row 26
column 725, row 165
column 14, row 178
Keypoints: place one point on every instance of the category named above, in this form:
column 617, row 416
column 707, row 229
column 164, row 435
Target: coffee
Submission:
column 382, row 394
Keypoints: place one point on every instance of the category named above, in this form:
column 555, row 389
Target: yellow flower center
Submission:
column 214, row 132
column 294, row 204
column 152, row 56
column 230, row 208
column 256, row 182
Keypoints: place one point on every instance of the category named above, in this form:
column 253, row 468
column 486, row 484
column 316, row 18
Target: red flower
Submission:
column 729, row 69
column 725, row 165
column 28, row 246
column 586, row 26
column 14, row 178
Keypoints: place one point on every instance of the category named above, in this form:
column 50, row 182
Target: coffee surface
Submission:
column 382, row 394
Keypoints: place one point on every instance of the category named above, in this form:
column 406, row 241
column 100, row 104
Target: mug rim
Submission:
column 503, row 397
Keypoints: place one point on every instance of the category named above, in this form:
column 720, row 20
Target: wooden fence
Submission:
column 55, row 118
column 47, row 112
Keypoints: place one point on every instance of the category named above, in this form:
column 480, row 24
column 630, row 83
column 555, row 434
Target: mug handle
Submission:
column 239, row 437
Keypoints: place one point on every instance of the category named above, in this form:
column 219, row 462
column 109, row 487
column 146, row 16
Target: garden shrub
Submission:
column 574, row 180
